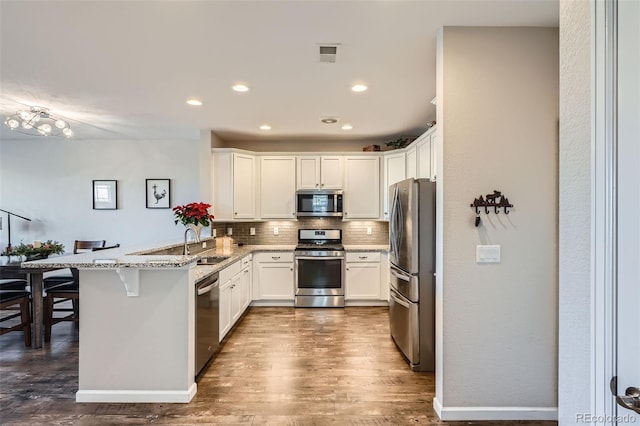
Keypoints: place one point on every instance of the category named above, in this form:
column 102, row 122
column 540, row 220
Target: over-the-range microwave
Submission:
column 319, row 203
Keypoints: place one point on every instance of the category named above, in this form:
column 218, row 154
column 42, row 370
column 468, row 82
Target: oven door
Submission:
column 319, row 276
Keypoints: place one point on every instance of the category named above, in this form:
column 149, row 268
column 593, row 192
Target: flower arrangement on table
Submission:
column 37, row 250
column 194, row 216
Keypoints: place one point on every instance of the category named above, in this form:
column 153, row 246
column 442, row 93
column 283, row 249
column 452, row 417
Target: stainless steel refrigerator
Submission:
column 412, row 265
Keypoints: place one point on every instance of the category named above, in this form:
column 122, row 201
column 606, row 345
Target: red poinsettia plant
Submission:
column 194, row 213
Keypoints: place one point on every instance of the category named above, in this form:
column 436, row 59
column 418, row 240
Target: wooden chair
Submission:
column 10, row 299
column 63, row 288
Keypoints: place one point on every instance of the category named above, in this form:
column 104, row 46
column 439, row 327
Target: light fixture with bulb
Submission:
column 38, row 121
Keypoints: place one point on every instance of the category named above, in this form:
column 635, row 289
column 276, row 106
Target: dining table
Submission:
column 35, row 279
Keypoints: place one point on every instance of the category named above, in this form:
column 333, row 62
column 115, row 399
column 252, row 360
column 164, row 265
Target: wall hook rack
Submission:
column 495, row 200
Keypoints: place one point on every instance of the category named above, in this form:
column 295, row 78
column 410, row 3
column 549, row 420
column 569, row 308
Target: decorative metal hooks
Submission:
column 495, row 200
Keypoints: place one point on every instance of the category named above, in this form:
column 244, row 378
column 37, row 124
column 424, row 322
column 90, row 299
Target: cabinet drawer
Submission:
column 362, row 256
column 230, row 271
column 285, row 256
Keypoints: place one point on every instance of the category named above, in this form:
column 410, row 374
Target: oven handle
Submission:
column 399, row 301
column 318, row 257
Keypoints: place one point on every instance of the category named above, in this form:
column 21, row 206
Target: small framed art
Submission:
column 158, row 193
column 105, row 194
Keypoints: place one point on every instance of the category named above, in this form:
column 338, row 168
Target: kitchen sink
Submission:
column 211, row 260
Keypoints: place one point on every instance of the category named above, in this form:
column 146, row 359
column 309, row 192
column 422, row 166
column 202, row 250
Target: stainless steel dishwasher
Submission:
column 207, row 320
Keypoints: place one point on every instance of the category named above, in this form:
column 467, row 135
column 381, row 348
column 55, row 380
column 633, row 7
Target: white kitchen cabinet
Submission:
column 234, row 185
column 412, row 162
column 278, row 187
column 425, row 146
column 225, row 310
column 394, row 171
column 235, row 293
column 319, row 172
column 363, row 275
column 273, row 276
column 362, row 187
column 245, row 284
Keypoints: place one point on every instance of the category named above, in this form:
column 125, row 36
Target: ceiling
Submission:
column 124, row 69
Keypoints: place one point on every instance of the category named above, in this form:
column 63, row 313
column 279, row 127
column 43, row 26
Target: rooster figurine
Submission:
column 157, row 196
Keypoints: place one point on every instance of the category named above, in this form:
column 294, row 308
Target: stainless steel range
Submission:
column 319, row 268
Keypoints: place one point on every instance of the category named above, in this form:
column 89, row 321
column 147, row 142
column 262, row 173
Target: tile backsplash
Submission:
column 353, row 232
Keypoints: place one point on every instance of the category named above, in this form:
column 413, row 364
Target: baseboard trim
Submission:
column 494, row 413
column 124, row 396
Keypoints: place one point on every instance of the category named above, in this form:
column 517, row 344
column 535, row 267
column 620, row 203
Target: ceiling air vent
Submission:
column 328, row 53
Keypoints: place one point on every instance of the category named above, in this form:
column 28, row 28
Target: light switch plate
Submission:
column 487, row 254
column 229, row 231
column 214, row 234
column 204, row 244
column 369, row 230
column 275, row 230
column 252, row 231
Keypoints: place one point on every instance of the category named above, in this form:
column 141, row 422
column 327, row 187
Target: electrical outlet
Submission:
column 214, row 233
column 204, row 244
column 275, row 230
column 229, row 231
column 369, row 230
column 252, row 231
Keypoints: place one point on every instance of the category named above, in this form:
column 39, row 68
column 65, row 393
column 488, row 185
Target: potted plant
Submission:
column 37, row 250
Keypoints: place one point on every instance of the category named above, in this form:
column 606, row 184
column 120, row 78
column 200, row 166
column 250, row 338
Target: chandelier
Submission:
column 37, row 121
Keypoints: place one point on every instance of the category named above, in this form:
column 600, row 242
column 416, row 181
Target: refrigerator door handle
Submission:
column 400, row 277
column 399, row 301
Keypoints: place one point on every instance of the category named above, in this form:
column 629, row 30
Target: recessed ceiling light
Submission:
column 240, row 87
column 329, row 120
column 347, row 127
column 265, row 127
column 194, row 102
column 359, row 88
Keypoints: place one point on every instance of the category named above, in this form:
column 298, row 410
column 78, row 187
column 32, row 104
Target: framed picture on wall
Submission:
column 105, row 194
column 158, row 193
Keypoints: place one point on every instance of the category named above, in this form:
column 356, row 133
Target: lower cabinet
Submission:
column 365, row 272
column 273, row 278
column 235, row 293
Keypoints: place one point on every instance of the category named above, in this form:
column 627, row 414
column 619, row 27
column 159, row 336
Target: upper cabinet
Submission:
column 425, row 146
column 394, row 171
column 362, row 187
column 412, row 162
column 234, row 186
column 320, row 172
column 278, row 187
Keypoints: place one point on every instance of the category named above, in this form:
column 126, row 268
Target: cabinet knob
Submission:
column 235, row 213
column 316, row 184
column 291, row 269
column 363, row 257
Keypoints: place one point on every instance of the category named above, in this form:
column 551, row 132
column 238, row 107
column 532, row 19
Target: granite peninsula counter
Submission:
column 137, row 328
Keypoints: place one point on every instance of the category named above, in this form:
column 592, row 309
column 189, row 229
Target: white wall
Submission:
column 499, row 118
column 575, row 297
column 49, row 181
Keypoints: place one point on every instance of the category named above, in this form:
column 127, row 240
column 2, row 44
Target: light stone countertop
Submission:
column 145, row 258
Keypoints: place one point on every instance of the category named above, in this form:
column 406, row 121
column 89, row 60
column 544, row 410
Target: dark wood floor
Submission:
column 280, row 366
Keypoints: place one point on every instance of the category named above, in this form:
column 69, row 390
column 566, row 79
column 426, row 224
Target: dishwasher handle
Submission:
column 205, row 286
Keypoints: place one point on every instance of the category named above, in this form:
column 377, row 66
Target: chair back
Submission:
column 82, row 246
column 105, row 247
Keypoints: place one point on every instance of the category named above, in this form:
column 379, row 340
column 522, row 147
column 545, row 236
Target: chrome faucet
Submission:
column 185, row 251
